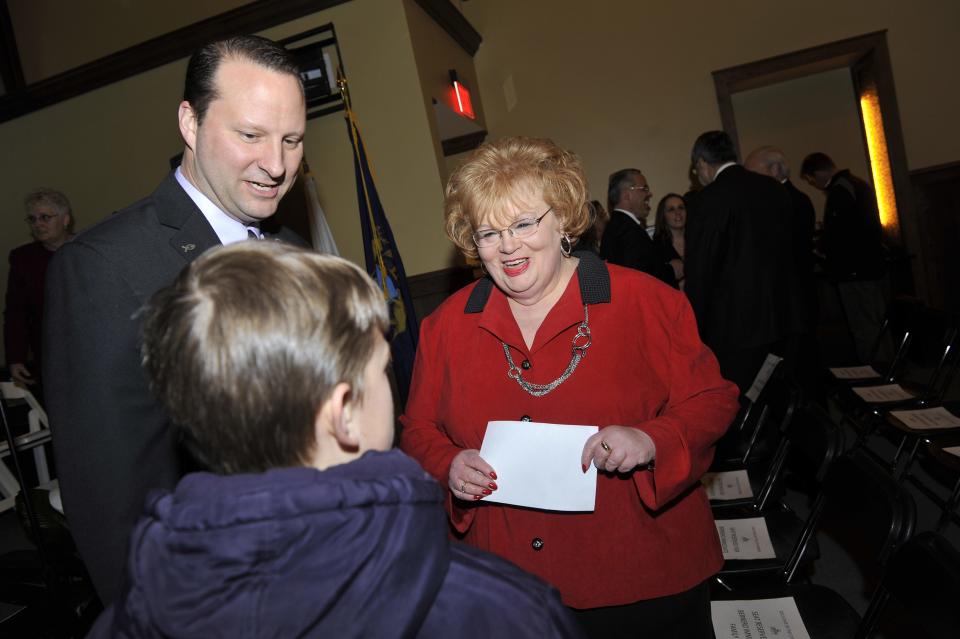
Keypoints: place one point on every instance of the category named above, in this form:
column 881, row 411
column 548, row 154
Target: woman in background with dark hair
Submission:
column 668, row 229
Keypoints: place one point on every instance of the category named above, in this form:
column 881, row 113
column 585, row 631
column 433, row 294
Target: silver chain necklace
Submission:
column 581, row 342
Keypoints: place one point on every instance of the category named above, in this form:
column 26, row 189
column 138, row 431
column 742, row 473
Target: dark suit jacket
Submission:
column 852, row 238
column 112, row 441
column 804, row 221
column 738, row 262
column 626, row 243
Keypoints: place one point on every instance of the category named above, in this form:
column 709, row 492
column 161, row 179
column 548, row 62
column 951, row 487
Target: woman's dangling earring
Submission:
column 566, row 251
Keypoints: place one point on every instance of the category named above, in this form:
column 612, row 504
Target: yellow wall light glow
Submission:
column 879, row 160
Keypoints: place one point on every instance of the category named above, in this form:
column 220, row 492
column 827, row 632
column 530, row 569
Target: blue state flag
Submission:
column 384, row 265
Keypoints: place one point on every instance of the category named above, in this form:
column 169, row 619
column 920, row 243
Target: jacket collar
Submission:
column 592, row 275
column 193, row 234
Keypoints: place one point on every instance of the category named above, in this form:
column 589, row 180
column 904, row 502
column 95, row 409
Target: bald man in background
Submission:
column 770, row 161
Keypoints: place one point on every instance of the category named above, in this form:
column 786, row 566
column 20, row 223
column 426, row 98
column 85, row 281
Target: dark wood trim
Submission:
column 796, row 64
column 10, row 69
column 439, row 281
column 22, row 98
column 937, row 173
column 454, row 23
column 428, row 290
column 937, row 199
column 463, row 143
column 250, row 18
column 787, row 66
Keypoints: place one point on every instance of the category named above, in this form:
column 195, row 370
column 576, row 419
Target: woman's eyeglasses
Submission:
column 523, row 227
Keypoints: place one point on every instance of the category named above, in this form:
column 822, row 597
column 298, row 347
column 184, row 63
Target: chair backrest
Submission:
column 810, row 443
column 949, row 358
column 781, row 397
column 923, row 577
column 37, row 416
column 741, row 439
column 863, row 509
column 898, row 324
column 815, row 441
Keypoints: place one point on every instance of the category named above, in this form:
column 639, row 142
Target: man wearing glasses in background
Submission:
column 625, row 240
column 51, row 223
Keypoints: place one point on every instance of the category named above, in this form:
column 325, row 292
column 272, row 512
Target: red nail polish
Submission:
column 493, row 475
column 476, row 498
column 492, row 486
column 485, row 491
column 584, row 467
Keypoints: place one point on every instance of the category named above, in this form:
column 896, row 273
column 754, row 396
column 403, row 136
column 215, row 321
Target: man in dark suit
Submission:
column 740, row 276
column 242, row 119
column 854, row 255
column 625, row 240
column 770, row 161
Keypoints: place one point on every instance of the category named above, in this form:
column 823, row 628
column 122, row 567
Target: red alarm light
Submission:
column 461, row 98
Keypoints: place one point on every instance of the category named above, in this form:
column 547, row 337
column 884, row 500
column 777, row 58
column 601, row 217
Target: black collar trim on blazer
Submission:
column 592, row 275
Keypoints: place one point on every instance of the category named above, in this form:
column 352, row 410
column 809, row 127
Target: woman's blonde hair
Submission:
column 495, row 172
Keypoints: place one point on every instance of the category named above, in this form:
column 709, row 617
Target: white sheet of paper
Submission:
column 758, row 618
column 953, row 450
column 763, row 375
column 883, row 393
column 746, row 538
column 854, row 372
column 729, row 484
column 927, row 418
column 538, row 465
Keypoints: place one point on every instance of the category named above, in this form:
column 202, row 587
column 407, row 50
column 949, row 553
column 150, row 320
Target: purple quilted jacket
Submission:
column 358, row 550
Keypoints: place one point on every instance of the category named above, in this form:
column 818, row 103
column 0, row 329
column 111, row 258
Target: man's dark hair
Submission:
column 616, row 184
column 714, row 148
column 200, row 88
column 816, row 162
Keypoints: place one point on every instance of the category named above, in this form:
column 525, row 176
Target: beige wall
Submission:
column 110, row 147
column 74, row 33
column 436, row 54
column 628, row 83
column 814, row 113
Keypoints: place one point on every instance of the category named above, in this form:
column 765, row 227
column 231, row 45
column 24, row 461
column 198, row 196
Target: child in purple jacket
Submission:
column 272, row 361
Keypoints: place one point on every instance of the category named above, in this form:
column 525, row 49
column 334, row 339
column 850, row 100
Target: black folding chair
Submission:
column 763, row 468
column 855, row 489
column 923, row 580
column 754, row 432
column 869, row 516
column 46, row 589
column 866, row 415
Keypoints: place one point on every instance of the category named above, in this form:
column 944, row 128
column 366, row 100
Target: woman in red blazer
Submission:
column 511, row 347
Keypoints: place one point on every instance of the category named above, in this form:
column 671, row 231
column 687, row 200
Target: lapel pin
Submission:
column 186, row 248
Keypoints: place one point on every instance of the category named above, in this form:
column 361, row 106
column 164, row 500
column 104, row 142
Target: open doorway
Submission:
column 865, row 61
column 813, row 113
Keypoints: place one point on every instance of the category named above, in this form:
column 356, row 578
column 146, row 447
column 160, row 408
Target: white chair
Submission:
column 37, row 435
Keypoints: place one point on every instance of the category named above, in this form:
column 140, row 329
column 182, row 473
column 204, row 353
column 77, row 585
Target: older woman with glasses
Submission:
column 512, row 346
